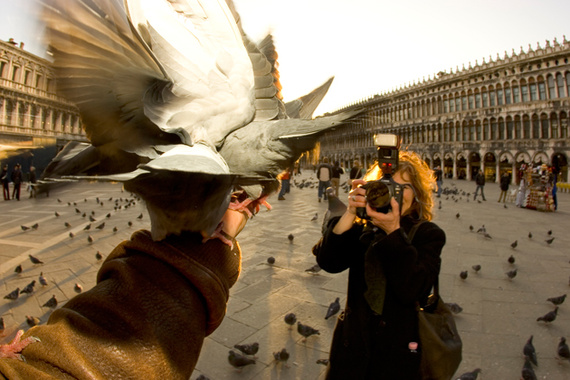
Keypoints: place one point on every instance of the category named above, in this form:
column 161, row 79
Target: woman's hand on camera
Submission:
column 357, row 196
column 388, row 222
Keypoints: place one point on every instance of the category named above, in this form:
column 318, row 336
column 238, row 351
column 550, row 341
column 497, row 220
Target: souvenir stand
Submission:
column 538, row 194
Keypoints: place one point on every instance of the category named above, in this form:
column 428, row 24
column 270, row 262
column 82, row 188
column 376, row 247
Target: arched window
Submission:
column 510, row 128
column 451, row 104
column 486, row 133
column 492, row 99
column 560, row 82
column 494, row 129
column 477, row 98
column 470, row 100
column 541, row 88
column 535, row 127
column 501, row 129
column 499, row 95
column 471, row 131
column 484, row 97
column 478, row 136
column 507, row 94
column 463, row 101
column 516, row 92
column 518, row 130
column 457, row 132
column 551, row 87
column 553, row 126
column 532, row 89
column 563, row 125
column 465, row 131
column 445, row 104
column 526, row 127
column 524, row 91
column 544, row 127
column 457, row 102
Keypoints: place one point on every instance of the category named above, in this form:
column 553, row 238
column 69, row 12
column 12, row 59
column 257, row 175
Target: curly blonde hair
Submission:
column 421, row 177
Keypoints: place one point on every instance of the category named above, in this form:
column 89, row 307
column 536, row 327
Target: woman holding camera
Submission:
column 376, row 336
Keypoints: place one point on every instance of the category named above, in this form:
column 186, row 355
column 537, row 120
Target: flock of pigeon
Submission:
column 75, row 218
column 248, row 351
column 529, row 352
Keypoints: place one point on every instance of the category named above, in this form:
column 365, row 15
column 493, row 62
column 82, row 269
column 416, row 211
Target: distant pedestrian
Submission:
column 505, row 181
column 5, row 182
column 33, row 181
column 324, row 175
column 355, row 172
column 438, row 179
column 480, row 181
column 17, row 180
column 285, row 178
column 336, row 173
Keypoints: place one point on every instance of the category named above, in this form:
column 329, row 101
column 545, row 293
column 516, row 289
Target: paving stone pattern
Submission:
column 498, row 314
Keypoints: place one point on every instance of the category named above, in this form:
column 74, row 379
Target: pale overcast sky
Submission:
column 370, row 46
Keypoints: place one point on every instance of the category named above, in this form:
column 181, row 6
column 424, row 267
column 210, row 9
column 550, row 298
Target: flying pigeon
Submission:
column 530, row 352
column 179, row 105
column 334, row 308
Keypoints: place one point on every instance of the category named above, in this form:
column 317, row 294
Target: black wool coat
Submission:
column 367, row 345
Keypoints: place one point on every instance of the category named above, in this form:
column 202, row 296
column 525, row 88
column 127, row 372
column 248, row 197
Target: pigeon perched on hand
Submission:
column 530, row 352
column 179, row 105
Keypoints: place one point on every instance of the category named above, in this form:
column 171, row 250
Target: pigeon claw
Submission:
column 12, row 350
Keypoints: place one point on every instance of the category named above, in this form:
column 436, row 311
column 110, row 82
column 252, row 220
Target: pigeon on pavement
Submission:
column 35, row 260
column 51, row 303
column 306, row 330
column 29, row 289
column 530, row 352
column 13, row 295
column 455, row 308
column 334, row 308
column 557, row 300
column 470, row 375
column 511, row 274
column 549, row 317
column 248, row 349
column 239, row 361
column 290, row 319
column 562, row 350
column 463, row 274
column 476, row 268
column 281, row 356
column 42, row 279
column 528, row 371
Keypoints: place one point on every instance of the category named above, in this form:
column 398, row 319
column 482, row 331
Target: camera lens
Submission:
column 377, row 195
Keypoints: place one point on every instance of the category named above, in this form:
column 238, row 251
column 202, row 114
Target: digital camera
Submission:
column 380, row 192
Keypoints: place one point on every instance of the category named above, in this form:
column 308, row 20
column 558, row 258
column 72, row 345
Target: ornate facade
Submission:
column 31, row 114
column 493, row 115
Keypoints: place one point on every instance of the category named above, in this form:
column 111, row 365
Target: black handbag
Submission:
column 440, row 342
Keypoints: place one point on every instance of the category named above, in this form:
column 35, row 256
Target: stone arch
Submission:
column 461, row 166
column 560, row 162
column 490, row 166
column 540, row 158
